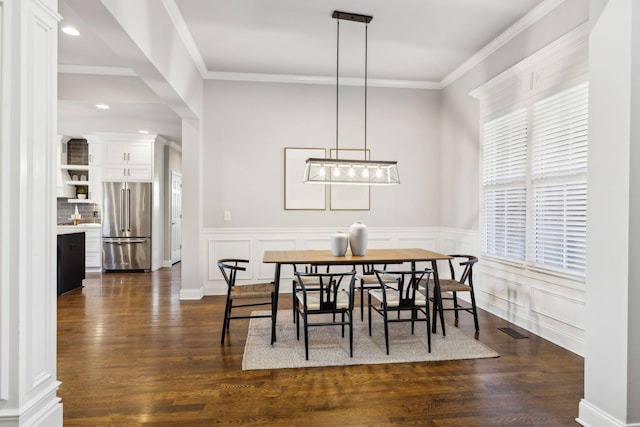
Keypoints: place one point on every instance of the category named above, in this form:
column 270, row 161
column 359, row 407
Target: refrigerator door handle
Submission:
column 121, row 242
column 128, row 209
column 122, row 208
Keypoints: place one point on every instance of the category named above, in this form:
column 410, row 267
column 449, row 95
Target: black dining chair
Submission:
column 400, row 295
column 327, row 295
column 368, row 280
column 455, row 283
column 258, row 294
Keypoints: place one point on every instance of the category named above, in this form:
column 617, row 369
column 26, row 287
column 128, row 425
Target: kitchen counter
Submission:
column 81, row 228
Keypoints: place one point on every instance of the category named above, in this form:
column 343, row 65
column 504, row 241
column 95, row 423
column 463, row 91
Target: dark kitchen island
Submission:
column 71, row 260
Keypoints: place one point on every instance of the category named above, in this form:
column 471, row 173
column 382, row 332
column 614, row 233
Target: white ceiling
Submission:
column 412, row 42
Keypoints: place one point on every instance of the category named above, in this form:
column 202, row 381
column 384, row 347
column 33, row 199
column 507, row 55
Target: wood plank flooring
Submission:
column 130, row 353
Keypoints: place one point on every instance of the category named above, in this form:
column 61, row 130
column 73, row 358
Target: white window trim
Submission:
column 558, row 66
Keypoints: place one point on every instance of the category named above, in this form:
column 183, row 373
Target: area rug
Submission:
column 328, row 348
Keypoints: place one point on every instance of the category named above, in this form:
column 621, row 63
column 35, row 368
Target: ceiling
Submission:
column 411, row 43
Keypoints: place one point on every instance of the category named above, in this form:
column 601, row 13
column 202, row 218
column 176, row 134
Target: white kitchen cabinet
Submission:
column 93, row 248
column 63, row 190
column 128, row 161
column 76, row 178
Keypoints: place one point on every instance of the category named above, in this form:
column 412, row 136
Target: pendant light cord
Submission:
column 337, row 82
column 366, row 31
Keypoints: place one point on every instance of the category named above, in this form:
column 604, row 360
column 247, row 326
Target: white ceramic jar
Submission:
column 358, row 238
column 339, row 243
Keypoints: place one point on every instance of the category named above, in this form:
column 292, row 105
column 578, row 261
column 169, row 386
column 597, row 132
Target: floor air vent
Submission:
column 513, row 333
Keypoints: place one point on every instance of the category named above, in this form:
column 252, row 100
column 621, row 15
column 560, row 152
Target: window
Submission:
column 534, row 169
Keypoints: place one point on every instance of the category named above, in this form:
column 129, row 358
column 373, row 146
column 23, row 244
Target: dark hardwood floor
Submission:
column 131, row 353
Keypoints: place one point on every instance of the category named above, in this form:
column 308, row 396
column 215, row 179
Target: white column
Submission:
column 192, row 193
column 28, row 92
column 612, row 334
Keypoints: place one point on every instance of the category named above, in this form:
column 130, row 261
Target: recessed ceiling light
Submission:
column 102, row 106
column 143, row 131
column 70, row 31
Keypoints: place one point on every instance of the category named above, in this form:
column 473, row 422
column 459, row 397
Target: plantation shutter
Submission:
column 504, row 175
column 559, row 180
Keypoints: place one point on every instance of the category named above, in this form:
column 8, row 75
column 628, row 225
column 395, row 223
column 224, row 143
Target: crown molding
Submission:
column 535, row 15
column 320, row 80
column 96, row 70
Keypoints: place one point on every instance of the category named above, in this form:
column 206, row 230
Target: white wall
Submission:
column 550, row 306
column 612, row 362
column 246, row 127
column 460, row 113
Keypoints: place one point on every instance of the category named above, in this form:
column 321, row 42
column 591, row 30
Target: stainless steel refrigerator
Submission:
column 126, row 226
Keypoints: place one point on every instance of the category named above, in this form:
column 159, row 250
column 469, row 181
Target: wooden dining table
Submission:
column 372, row 256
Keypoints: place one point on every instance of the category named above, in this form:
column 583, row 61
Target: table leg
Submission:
column 274, row 308
column 437, row 298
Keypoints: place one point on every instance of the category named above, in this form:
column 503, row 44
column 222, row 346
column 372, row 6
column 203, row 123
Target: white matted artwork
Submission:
column 350, row 197
column 297, row 194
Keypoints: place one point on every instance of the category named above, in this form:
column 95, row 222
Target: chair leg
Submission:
column 226, row 321
column 369, row 305
column 475, row 311
column 428, row 330
column 361, row 301
column 386, row 329
column 351, row 334
column 306, row 336
column 273, row 319
column 293, row 302
column 414, row 316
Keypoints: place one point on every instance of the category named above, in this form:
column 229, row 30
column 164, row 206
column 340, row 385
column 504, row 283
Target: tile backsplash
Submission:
column 86, row 211
column 77, row 152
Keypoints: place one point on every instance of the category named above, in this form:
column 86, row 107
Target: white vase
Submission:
column 339, row 243
column 358, row 238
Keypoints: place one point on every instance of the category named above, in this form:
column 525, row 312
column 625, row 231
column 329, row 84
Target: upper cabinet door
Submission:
column 128, row 161
column 140, row 153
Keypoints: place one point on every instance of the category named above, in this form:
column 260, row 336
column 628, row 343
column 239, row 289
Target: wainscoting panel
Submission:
column 558, row 309
column 547, row 305
column 228, row 248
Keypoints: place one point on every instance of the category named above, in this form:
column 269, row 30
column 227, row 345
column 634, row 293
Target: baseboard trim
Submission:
column 590, row 415
column 191, row 294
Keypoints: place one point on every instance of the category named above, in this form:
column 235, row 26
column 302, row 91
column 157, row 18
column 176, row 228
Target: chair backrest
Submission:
column 405, row 282
column 229, row 268
column 327, row 286
column 466, row 262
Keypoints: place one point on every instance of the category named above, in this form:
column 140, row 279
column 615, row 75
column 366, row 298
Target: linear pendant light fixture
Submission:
column 351, row 171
